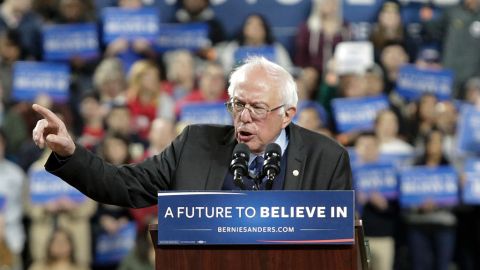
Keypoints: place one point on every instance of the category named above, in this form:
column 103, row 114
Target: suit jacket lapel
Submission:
column 295, row 160
column 222, row 155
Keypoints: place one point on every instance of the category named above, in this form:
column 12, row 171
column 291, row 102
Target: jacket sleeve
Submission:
column 134, row 185
column 342, row 175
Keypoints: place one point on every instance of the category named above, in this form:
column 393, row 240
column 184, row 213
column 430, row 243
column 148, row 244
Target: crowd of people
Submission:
column 128, row 110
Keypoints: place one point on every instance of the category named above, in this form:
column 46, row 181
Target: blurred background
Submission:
column 397, row 83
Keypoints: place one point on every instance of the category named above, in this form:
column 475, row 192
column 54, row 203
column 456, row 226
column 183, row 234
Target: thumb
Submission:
column 60, row 144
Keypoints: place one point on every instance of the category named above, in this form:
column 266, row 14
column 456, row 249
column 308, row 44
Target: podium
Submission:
column 264, row 257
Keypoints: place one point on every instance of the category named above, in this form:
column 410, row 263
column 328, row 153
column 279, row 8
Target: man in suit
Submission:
column 263, row 103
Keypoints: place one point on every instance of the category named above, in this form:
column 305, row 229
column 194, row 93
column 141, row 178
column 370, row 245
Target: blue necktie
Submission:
column 256, row 166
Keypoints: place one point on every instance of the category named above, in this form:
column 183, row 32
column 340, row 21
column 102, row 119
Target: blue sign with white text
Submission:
column 421, row 184
column 471, row 189
column 256, row 217
column 192, row 36
column 468, row 129
column 112, row 248
column 353, row 114
column 205, row 113
column 376, row 177
column 46, row 187
column 65, row 41
column 413, row 82
column 33, row 78
column 130, row 24
column 244, row 52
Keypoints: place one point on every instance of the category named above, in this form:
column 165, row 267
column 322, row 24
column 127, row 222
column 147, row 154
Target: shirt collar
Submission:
column 282, row 141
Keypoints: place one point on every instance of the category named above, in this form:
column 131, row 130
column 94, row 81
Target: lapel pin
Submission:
column 295, row 172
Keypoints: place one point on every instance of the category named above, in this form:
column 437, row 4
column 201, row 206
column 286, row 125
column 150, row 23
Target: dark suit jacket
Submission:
column 198, row 159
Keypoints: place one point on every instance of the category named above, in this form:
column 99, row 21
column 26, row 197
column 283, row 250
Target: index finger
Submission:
column 49, row 115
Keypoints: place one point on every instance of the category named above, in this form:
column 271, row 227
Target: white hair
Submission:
column 277, row 73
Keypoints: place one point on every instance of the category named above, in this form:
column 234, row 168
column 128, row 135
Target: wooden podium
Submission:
column 264, row 257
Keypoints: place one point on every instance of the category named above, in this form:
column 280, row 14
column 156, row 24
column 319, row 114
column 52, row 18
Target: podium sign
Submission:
column 256, row 218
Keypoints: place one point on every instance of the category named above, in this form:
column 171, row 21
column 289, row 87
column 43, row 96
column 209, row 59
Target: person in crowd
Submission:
column 93, row 115
column 199, row 11
column 379, row 213
column 10, row 51
column 64, row 213
column 307, row 83
column 317, row 38
column 142, row 257
column 211, row 88
column 161, row 135
column 109, row 219
column 17, row 15
column 472, row 91
column 255, row 32
column 431, row 227
column 180, row 73
column 145, row 97
column 392, row 57
column 313, row 116
column 109, row 81
column 12, row 186
column 387, row 133
column 263, row 104
column 59, row 253
column 423, row 119
column 389, row 28
column 457, row 31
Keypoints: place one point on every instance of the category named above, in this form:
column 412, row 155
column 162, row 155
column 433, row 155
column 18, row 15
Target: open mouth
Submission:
column 245, row 136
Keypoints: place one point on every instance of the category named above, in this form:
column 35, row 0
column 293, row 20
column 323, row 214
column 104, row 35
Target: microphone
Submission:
column 239, row 165
column 271, row 165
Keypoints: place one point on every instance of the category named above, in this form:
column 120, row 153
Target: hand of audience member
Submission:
column 51, row 132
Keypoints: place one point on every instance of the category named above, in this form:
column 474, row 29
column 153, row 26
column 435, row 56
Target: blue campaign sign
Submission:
column 3, row 202
column 192, row 36
column 400, row 161
column 468, row 129
column 130, row 23
column 244, row 52
column 421, row 183
column 361, row 10
column 33, row 78
column 62, row 42
column 471, row 189
column 256, row 217
column 353, row 114
column 46, row 187
column 205, row 113
column 413, row 82
column 376, row 177
column 112, row 248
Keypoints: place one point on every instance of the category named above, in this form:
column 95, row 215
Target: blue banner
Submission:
column 468, row 129
column 471, row 189
column 400, row 161
column 46, row 187
column 244, row 52
column 3, row 202
column 65, row 41
column 258, row 217
column 205, row 113
column 376, row 177
column 361, row 10
column 192, row 36
column 420, row 184
column 413, row 82
column 130, row 24
column 353, row 114
column 112, row 248
column 33, row 78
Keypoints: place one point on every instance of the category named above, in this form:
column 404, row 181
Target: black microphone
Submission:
column 239, row 164
column 271, row 165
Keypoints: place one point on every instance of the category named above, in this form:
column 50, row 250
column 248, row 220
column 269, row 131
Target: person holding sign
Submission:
column 263, row 103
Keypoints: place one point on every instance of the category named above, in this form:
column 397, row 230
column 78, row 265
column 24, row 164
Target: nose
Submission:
column 245, row 115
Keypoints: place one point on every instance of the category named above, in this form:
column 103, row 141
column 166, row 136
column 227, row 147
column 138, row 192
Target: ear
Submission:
column 288, row 117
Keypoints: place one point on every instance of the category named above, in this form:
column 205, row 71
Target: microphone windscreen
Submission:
column 241, row 149
column 273, row 148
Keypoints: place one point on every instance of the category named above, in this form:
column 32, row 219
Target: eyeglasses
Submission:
column 257, row 111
